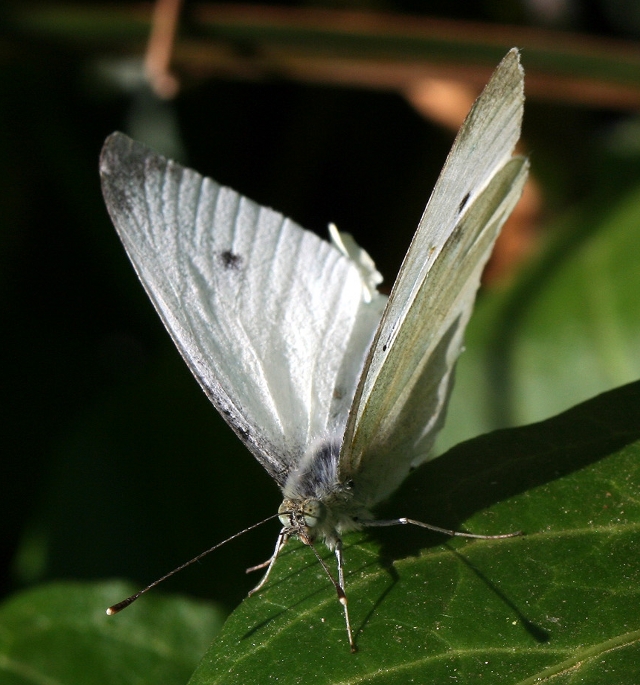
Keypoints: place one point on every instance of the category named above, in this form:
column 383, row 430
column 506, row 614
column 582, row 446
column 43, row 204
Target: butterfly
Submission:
column 337, row 390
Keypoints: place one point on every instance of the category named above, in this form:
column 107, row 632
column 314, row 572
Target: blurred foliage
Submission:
column 115, row 464
column 566, row 329
column 58, row 633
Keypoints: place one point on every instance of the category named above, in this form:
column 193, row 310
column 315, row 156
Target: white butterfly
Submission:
column 337, row 391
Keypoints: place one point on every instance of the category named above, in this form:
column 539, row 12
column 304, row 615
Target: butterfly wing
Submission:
column 401, row 398
column 273, row 321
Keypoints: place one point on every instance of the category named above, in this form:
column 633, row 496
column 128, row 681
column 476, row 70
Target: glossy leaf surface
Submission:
column 561, row 599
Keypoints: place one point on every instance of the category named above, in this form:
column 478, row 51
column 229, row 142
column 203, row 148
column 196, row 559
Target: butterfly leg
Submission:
column 436, row 529
column 342, row 597
column 280, row 543
column 258, row 567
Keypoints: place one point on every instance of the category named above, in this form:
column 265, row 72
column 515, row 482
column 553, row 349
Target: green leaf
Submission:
column 59, row 633
column 560, row 602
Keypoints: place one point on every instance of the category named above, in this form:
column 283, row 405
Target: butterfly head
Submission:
column 302, row 517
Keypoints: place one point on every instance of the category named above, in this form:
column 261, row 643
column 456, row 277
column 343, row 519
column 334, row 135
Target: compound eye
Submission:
column 284, row 512
column 310, row 521
column 285, row 520
column 313, row 513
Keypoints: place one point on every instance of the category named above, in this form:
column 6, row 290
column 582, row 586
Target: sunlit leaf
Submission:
column 561, row 599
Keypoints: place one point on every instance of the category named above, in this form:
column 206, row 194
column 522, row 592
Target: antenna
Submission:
column 130, row 600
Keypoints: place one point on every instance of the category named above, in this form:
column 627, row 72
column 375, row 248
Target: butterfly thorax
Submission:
column 315, row 475
column 317, row 503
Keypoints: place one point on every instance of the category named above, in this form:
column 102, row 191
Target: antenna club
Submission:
column 116, row 608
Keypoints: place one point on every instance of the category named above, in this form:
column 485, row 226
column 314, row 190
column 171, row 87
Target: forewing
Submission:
column 401, row 398
column 263, row 311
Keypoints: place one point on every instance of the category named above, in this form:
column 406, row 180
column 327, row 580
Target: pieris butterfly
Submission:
column 336, row 390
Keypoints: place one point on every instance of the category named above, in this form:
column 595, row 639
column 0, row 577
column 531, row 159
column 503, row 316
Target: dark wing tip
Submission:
column 124, row 167
column 117, row 147
column 122, row 156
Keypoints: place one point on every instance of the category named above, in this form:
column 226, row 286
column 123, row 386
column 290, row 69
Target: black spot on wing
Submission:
column 230, row 260
column 463, row 203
